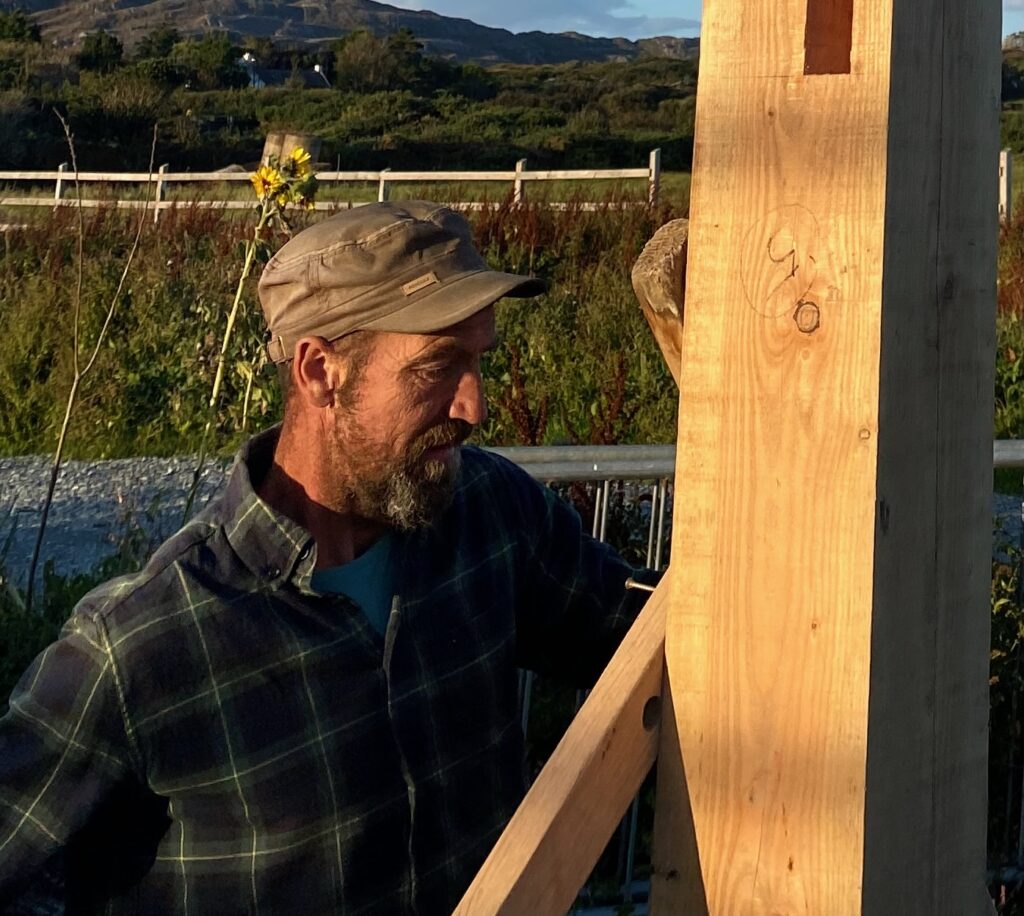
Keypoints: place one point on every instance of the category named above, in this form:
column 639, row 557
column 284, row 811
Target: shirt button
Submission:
column 270, row 572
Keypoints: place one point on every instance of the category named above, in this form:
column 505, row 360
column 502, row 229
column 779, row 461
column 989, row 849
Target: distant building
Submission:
column 261, row 77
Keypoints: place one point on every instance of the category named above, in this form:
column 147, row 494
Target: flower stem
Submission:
column 218, row 380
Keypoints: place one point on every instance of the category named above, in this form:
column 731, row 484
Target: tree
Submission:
column 360, row 62
column 366, row 63
column 101, row 52
column 209, row 62
column 158, row 44
column 17, row 27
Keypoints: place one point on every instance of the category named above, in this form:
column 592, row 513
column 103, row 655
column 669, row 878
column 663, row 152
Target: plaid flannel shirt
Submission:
column 211, row 736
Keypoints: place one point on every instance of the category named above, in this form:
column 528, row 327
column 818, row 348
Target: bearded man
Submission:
column 306, row 701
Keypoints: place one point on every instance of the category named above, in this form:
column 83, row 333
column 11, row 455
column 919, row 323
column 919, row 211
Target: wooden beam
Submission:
column 827, row 637
column 658, row 283
column 556, row 836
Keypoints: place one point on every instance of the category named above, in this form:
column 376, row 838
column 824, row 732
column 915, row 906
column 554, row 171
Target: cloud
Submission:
column 606, row 18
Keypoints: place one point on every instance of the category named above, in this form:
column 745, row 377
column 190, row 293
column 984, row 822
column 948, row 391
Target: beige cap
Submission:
column 407, row 266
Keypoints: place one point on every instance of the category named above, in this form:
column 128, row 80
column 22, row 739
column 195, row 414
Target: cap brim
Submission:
column 456, row 300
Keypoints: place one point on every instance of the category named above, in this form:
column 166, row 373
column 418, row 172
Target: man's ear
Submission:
column 316, row 372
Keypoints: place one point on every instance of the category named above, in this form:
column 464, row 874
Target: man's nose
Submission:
column 469, row 403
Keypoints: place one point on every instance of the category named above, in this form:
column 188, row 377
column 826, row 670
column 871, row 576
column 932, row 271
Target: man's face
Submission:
column 396, row 444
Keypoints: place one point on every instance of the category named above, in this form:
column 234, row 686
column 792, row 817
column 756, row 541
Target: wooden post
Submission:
column 382, row 187
column 518, row 188
column 58, row 192
column 658, row 282
column 159, row 193
column 1005, row 186
column 654, row 181
column 827, row 635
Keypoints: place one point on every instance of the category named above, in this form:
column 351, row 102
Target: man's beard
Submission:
column 408, row 492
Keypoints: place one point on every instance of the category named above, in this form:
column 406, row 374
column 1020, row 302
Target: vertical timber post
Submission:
column 518, row 194
column 1005, row 186
column 58, row 192
column 654, row 178
column 158, row 195
column 382, row 187
column 828, row 629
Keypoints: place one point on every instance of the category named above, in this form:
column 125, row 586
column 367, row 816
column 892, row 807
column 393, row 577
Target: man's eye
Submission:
column 432, row 373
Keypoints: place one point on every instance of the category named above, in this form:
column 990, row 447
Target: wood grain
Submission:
column 555, row 837
column 826, row 635
column 657, row 278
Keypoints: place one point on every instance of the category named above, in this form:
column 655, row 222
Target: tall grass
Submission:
column 583, row 350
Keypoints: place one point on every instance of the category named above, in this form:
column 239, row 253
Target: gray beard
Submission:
column 410, row 497
column 403, row 493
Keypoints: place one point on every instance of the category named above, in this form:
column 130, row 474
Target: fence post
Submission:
column 654, row 178
column 518, row 189
column 1005, row 186
column 159, row 194
column 382, row 188
column 59, row 191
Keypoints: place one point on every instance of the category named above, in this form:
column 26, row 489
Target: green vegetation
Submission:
column 154, row 374
column 577, row 366
column 388, row 105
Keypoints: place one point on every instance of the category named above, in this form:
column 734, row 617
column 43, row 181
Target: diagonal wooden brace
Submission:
column 552, row 842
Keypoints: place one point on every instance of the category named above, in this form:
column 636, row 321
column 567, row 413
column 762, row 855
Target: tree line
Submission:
column 377, row 101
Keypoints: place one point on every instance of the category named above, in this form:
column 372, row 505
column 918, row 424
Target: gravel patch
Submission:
column 98, row 506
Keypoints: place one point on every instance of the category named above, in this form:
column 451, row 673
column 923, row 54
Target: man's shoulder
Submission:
column 154, row 591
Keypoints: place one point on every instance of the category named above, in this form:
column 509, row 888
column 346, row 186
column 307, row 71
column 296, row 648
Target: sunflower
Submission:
column 266, row 180
column 299, row 162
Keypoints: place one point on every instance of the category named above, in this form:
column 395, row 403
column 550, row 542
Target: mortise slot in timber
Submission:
column 828, row 36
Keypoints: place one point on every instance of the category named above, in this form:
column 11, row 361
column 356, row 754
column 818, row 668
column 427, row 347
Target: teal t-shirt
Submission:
column 368, row 580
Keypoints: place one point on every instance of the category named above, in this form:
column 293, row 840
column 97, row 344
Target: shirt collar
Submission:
column 274, row 547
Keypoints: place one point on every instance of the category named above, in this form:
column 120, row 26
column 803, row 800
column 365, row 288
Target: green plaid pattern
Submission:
column 211, row 736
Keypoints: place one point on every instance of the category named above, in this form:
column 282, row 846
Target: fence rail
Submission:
column 385, row 179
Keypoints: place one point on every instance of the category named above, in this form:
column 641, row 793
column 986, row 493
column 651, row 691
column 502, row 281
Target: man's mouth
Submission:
column 443, row 441
column 440, row 452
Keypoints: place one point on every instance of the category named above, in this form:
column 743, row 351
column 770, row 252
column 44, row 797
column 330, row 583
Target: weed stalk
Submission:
column 80, row 371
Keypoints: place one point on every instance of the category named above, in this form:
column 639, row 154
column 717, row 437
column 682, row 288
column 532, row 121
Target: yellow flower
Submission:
column 266, row 181
column 300, row 162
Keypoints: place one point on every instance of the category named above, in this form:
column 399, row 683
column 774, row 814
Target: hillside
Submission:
column 312, row 22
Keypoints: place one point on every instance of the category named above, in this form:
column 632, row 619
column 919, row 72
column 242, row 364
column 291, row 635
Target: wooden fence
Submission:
column 385, row 179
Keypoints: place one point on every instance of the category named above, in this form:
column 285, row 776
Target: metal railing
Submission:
column 612, row 476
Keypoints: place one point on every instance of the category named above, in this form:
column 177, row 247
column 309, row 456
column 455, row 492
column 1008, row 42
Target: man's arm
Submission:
column 573, row 606
column 63, row 747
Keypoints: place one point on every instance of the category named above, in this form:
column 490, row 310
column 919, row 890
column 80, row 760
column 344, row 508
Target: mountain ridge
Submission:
column 311, row 23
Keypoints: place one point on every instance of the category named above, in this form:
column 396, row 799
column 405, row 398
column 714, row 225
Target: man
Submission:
column 306, row 701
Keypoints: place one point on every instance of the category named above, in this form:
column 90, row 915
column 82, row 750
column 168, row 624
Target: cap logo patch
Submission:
column 414, row 286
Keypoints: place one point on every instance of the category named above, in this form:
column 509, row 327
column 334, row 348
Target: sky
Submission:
column 609, row 18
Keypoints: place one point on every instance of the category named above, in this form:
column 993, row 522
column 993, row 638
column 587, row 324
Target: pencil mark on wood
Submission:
column 779, row 260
